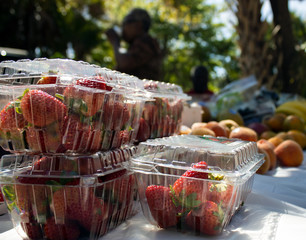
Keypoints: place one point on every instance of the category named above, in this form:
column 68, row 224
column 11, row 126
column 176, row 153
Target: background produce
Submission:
column 280, row 136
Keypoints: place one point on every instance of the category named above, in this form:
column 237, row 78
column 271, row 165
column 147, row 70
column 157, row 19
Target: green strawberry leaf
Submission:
column 24, row 93
column 60, row 96
column 175, row 200
column 11, row 206
column 191, row 201
column 9, row 193
column 215, row 176
column 83, row 107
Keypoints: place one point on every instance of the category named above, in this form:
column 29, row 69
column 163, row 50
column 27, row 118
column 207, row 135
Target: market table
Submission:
column 275, row 209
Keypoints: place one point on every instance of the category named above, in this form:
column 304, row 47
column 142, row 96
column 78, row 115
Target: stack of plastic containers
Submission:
column 192, row 183
column 70, row 126
column 163, row 116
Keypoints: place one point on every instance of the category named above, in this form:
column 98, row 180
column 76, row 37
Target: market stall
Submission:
column 99, row 141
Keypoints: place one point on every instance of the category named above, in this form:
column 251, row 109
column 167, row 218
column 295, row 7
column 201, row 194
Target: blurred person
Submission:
column 143, row 57
column 200, row 78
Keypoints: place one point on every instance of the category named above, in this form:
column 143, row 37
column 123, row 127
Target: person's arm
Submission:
column 124, row 61
column 139, row 54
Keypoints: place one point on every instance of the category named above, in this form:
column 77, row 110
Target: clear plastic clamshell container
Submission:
column 68, row 197
column 49, row 111
column 193, row 183
column 163, row 116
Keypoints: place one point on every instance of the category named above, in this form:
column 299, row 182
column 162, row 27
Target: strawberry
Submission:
column 32, row 230
column 120, row 186
column 32, row 200
column 190, row 192
column 47, row 80
column 93, row 216
column 47, row 140
column 97, row 82
column 65, row 200
column 80, row 137
column 120, row 138
column 81, row 205
column 143, row 131
column 150, row 112
column 84, row 101
column 41, row 109
column 24, row 198
column 221, row 193
column 116, row 115
column 161, row 205
column 67, row 231
column 207, row 218
column 1, row 197
column 10, row 118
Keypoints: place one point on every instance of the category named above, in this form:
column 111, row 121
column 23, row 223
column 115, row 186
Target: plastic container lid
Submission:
column 27, row 71
column 162, row 89
column 63, row 169
column 235, row 159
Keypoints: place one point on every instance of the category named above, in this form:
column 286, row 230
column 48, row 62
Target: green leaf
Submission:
column 191, row 201
column 60, row 96
column 175, row 200
column 9, row 193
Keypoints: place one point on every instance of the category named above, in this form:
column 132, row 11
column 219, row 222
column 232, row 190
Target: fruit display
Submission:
column 293, row 107
column 194, row 183
column 286, row 123
column 68, row 114
column 162, row 116
column 68, row 197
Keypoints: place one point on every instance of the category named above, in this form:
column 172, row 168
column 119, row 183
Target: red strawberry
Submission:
column 65, row 201
column 221, row 193
column 116, row 115
column 93, row 216
column 1, row 197
column 191, row 192
column 47, row 80
column 161, row 206
column 33, row 230
column 24, row 199
column 32, row 200
column 207, row 219
column 143, row 131
column 84, row 101
column 67, row 231
column 119, row 185
column 81, row 205
column 120, row 138
column 98, row 83
column 41, row 109
column 80, row 137
column 47, row 140
column 150, row 112
column 9, row 118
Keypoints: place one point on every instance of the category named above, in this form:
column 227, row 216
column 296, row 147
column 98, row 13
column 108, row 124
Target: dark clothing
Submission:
column 147, row 58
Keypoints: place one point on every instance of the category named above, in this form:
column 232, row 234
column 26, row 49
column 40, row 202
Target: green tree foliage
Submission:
column 187, row 34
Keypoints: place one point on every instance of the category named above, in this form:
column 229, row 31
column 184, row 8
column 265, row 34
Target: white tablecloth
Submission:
column 275, row 209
